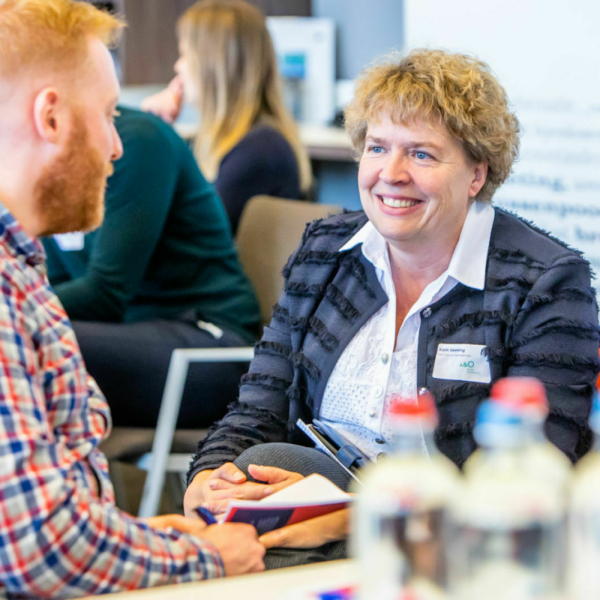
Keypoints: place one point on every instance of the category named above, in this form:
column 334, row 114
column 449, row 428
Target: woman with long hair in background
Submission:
column 247, row 141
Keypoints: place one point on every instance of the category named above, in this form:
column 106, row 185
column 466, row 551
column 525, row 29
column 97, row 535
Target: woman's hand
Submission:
column 166, row 104
column 215, row 489
column 221, row 488
column 201, row 486
column 309, row 534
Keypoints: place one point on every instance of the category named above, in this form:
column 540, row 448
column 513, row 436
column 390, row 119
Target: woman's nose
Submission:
column 396, row 169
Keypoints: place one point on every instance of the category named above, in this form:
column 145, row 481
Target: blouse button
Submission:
column 377, row 391
column 423, row 391
column 380, row 441
column 385, row 358
column 372, row 413
column 426, row 313
column 381, row 455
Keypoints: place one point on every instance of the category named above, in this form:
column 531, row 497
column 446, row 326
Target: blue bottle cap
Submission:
column 595, row 414
column 498, row 414
column 498, row 425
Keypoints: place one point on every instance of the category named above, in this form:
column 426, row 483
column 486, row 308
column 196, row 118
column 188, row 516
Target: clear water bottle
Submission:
column 584, row 546
column 400, row 512
column 527, row 396
column 506, row 531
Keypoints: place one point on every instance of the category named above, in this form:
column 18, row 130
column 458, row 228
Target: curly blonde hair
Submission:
column 459, row 91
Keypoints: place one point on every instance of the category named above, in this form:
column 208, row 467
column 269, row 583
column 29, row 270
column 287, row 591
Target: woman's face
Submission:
column 416, row 184
column 184, row 70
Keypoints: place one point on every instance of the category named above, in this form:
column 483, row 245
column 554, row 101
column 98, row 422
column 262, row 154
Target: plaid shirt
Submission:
column 61, row 534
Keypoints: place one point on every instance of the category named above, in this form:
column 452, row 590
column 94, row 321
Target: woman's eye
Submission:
column 375, row 149
column 421, row 155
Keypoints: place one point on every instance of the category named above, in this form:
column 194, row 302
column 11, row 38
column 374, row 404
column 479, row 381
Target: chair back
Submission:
column 270, row 229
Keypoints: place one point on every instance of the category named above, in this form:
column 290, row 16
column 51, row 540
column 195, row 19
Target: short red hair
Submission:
column 51, row 34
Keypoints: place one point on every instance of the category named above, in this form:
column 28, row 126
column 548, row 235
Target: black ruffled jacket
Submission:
column 537, row 316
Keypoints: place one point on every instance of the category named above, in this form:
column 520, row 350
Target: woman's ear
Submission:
column 479, row 177
column 48, row 123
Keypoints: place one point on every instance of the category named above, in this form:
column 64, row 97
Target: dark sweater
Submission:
column 165, row 246
column 537, row 316
column 262, row 162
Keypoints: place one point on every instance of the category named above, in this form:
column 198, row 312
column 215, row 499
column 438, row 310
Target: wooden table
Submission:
column 295, row 583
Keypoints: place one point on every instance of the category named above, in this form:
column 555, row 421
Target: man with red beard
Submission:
column 60, row 532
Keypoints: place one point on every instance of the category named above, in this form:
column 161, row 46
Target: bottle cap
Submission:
column 525, row 394
column 498, row 425
column 408, row 410
column 595, row 414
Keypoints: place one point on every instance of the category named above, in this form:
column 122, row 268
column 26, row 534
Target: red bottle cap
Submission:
column 523, row 393
column 421, row 408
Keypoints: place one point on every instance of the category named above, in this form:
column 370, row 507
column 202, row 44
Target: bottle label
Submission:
column 416, row 540
column 526, row 562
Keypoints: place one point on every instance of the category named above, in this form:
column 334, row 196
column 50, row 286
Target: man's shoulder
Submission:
column 512, row 234
column 11, row 269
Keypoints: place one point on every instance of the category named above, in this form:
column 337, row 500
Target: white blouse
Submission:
column 374, row 366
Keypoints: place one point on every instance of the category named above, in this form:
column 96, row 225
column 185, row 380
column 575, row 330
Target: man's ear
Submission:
column 479, row 177
column 48, row 121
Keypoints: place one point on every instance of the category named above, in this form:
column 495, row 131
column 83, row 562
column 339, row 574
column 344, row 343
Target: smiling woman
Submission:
column 416, row 185
column 392, row 301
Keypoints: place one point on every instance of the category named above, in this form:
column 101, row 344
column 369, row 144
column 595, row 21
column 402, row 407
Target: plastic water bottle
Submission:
column 584, row 546
column 539, row 456
column 400, row 512
column 507, row 530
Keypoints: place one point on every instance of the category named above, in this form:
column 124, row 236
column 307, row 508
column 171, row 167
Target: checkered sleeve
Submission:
column 61, row 535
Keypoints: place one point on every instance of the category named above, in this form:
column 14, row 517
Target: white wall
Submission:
column 365, row 29
column 546, row 53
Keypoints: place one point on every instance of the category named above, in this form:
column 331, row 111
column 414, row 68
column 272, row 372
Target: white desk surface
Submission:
column 295, row 583
column 322, row 142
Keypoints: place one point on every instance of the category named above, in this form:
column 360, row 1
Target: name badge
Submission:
column 461, row 362
column 69, row 242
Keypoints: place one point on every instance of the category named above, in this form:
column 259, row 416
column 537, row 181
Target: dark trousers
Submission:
column 305, row 461
column 130, row 363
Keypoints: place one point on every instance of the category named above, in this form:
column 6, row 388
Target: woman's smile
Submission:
column 399, row 202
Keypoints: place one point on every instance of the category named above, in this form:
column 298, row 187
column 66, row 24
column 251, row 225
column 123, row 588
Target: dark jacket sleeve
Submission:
column 138, row 200
column 555, row 338
column 262, row 412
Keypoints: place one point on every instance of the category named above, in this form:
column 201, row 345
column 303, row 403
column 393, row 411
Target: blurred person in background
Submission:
column 247, row 142
column 60, row 532
column 388, row 301
column 160, row 273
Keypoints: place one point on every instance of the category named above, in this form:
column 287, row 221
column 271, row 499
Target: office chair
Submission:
column 269, row 231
